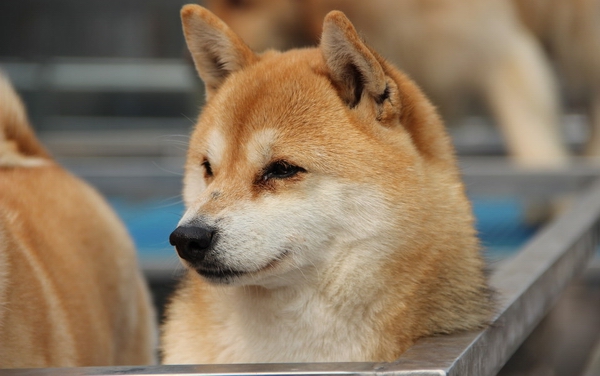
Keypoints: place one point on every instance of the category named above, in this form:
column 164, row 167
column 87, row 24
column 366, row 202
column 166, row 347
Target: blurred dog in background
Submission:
column 458, row 51
column 570, row 33
column 71, row 292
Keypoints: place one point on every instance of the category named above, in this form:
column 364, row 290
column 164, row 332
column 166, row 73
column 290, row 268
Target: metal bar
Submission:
column 103, row 74
column 493, row 175
column 527, row 287
column 230, row 369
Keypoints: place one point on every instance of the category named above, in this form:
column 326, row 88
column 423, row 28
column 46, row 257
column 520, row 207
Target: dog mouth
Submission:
column 219, row 273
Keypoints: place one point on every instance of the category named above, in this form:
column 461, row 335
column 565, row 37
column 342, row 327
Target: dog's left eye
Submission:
column 281, row 170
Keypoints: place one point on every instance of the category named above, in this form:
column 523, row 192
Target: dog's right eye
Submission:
column 207, row 168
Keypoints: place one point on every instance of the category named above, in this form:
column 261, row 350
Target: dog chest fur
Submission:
column 283, row 325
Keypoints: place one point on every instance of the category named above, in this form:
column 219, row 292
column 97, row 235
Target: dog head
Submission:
column 303, row 159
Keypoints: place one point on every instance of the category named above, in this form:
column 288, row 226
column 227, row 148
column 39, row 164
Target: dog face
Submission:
column 279, row 177
column 299, row 159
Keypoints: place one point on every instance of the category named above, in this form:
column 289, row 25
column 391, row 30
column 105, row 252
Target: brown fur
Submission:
column 71, row 293
column 351, row 120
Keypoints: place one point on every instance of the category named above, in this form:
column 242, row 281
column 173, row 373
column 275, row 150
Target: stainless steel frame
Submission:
column 527, row 286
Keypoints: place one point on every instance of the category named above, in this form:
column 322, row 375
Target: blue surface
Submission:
column 500, row 222
column 150, row 223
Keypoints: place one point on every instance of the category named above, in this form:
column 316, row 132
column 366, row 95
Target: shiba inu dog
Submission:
column 458, row 52
column 71, row 293
column 326, row 219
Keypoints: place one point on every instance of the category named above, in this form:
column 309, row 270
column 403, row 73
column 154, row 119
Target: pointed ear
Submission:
column 216, row 50
column 352, row 65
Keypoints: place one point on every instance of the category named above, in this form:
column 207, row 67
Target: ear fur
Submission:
column 352, row 65
column 216, row 50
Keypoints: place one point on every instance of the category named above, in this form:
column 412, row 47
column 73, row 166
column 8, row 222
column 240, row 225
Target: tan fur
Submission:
column 455, row 49
column 353, row 258
column 71, row 293
column 570, row 31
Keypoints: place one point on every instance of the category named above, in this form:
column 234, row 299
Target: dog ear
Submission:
column 351, row 63
column 216, row 50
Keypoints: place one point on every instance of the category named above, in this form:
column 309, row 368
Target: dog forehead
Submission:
column 277, row 99
column 215, row 146
column 286, row 107
column 259, row 148
column 279, row 88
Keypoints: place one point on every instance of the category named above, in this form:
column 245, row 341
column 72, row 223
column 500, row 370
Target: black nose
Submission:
column 192, row 243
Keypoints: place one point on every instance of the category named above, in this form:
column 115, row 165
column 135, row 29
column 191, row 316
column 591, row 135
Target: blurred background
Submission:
column 111, row 91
